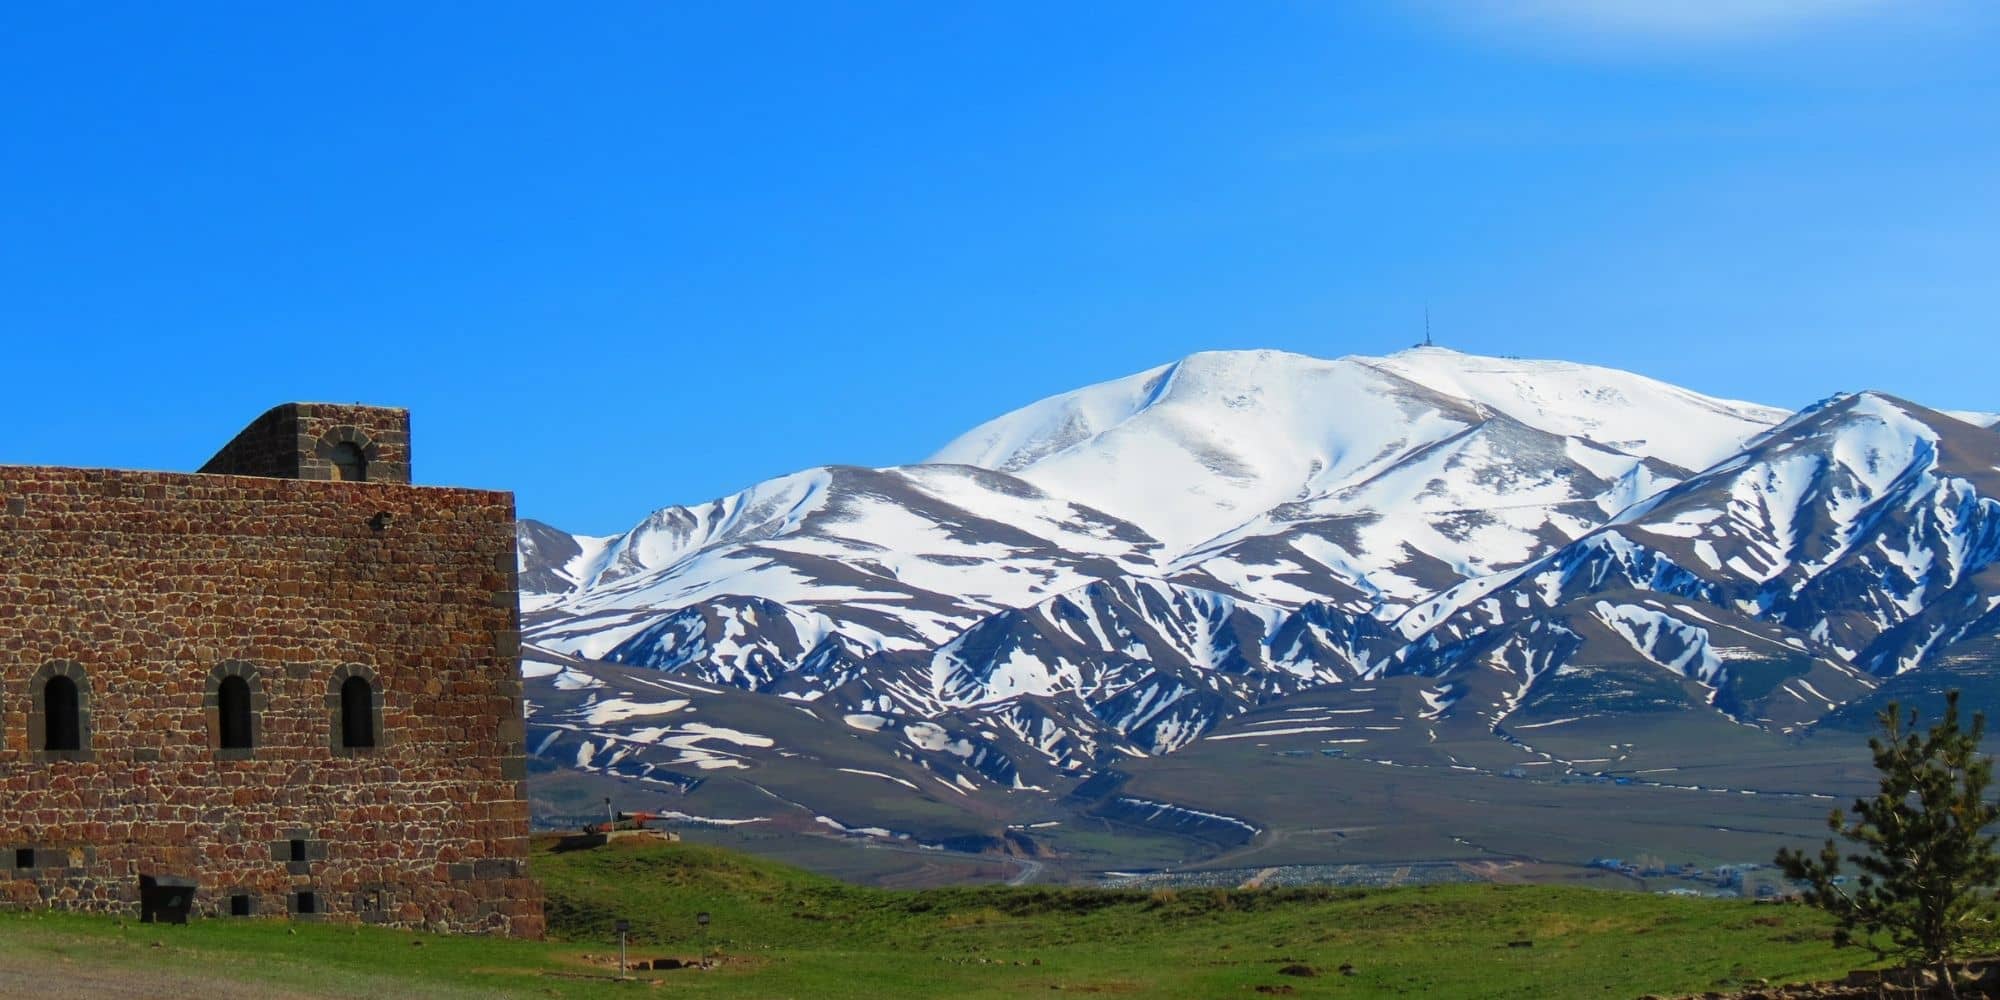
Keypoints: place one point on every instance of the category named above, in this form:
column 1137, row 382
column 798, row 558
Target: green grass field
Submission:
column 781, row 932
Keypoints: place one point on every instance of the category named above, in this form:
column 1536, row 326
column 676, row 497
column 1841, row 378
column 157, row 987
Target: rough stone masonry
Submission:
column 292, row 676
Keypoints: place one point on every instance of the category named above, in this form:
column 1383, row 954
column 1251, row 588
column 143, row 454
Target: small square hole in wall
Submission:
column 239, row 905
column 307, row 903
column 298, row 850
column 24, row 857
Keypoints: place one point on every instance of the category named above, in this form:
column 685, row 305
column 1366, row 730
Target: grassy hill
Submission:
column 782, row 932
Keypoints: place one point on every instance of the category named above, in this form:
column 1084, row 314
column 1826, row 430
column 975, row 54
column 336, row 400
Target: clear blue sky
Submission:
column 619, row 256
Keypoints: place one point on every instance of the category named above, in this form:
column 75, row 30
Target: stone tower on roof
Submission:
column 321, row 441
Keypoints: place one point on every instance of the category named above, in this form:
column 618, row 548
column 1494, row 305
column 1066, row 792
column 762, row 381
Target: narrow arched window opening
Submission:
column 232, row 707
column 62, row 715
column 350, row 463
column 357, row 713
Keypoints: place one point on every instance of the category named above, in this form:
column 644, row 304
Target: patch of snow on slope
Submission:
column 699, row 731
column 1632, row 413
column 1168, row 809
column 1665, row 640
column 933, row 737
column 1291, row 731
column 610, row 710
column 877, row 774
column 865, row 722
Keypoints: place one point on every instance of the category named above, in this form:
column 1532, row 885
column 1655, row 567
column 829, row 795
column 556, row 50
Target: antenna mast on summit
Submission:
column 1427, row 325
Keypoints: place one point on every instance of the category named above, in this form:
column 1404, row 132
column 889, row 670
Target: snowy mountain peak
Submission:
column 1190, row 450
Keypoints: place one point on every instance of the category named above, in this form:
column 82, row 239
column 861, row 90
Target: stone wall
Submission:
column 147, row 589
column 297, row 440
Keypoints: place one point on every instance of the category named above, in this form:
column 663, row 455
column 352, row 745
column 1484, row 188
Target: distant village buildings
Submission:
column 291, row 677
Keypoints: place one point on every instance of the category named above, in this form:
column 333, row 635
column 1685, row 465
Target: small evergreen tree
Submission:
column 1927, row 865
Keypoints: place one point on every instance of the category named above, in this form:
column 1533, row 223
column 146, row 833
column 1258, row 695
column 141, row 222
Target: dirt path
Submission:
column 26, row 975
column 1030, row 870
column 1257, row 881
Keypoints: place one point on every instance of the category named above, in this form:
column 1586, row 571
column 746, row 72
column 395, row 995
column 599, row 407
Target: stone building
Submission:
column 291, row 676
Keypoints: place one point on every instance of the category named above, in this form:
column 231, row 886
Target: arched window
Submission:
column 354, row 711
column 236, row 704
column 350, row 463
column 59, row 712
column 357, row 713
column 232, row 714
column 62, row 715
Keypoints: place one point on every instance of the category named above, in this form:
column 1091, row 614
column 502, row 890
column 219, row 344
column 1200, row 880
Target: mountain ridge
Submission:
column 1515, row 543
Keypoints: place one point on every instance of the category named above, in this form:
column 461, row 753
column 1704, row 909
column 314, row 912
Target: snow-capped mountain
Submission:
column 1855, row 542
column 901, row 558
column 1113, row 572
column 1193, row 450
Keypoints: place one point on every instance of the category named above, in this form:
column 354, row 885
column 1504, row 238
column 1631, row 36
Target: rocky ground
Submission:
column 1977, row 979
